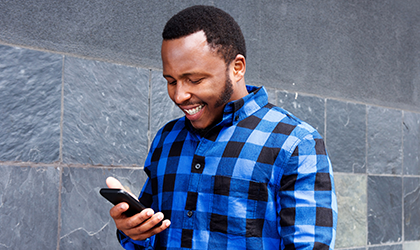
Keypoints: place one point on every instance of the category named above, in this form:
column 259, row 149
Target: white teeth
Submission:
column 194, row 110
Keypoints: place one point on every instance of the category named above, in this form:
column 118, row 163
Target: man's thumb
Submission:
column 111, row 182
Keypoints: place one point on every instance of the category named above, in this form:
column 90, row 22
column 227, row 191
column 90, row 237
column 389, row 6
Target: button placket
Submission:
column 197, row 167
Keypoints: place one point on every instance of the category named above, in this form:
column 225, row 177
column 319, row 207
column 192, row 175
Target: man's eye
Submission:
column 172, row 83
column 197, row 81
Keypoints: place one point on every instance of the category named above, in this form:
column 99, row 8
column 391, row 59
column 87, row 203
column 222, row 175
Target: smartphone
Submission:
column 116, row 196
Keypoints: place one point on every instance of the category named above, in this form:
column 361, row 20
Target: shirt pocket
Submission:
column 234, row 206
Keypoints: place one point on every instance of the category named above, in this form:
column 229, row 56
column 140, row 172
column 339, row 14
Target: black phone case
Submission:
column 116, row 196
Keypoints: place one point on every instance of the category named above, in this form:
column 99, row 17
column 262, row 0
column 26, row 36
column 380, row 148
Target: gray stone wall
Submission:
column 81, row 96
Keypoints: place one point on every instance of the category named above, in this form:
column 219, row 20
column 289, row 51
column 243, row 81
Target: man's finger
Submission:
column 117, row 211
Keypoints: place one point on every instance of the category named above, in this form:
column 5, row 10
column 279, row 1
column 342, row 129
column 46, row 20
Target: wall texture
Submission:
column 81, row 96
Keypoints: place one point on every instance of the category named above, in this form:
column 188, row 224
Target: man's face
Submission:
column 198, row 79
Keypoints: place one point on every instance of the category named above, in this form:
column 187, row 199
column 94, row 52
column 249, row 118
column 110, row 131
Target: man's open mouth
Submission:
column 195, row 110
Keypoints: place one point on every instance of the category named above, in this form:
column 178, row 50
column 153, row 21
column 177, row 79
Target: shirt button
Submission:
column 237, row 118
column 190, row 213
column 197, row 166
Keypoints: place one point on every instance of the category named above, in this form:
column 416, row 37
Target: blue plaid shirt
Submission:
column 260, row 179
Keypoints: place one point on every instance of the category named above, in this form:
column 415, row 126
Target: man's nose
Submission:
column 182, row 93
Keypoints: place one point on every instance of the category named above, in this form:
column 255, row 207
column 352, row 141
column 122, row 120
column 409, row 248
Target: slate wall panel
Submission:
column 30, row 101
column 106, row 109
column 29, row 202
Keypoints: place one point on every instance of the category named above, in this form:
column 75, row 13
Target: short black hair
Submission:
column 221, row 30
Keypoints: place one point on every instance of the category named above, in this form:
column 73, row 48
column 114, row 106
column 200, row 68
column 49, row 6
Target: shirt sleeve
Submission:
column 130, row 244
column 307, row 204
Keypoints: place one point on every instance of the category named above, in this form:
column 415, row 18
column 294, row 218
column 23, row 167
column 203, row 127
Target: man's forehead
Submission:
column 194, row 39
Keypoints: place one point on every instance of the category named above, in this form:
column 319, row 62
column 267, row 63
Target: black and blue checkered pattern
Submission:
column 260, row 179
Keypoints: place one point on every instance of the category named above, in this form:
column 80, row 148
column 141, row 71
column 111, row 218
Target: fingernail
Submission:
column 149, row 213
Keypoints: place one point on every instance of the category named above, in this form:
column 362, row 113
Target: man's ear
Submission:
column 239, row 67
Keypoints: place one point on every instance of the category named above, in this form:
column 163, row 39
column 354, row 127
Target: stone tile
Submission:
column 411, row 209
column 385, row 247
column 128, row 32
column 411, row 145
column 293, row 56
column 29, row 207
column 30, row 103
column 162, row 108
column 85, row 219
column 346, row 136
column 362, row 248
column 384, row 210
column 414, row 245
column 352, row 205
column 384, row 155
column 307, row 108
column 106, row 108
column 363, row 51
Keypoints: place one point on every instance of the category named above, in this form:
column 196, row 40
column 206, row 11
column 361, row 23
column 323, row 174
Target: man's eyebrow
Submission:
column 166, row 76
column 183, row 75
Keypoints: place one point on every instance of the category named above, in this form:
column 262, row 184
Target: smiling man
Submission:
column 236, row 172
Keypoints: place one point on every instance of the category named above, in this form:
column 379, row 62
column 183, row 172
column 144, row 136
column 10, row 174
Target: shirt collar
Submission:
column 236, row 111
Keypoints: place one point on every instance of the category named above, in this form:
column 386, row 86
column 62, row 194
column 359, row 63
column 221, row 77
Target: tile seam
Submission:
column 149, row 114
column 60, row 182
column 60, row 154
column 69, row 165
column 402, row 180
column 367, row 176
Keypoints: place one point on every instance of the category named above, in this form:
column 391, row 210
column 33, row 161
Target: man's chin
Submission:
column 200, row 128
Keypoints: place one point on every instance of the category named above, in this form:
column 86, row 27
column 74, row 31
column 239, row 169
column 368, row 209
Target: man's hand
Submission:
column 139, row 226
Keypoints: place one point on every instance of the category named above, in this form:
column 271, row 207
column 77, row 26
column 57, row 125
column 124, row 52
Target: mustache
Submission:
column 189, row 103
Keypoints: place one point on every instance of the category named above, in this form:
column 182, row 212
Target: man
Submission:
column 235, row 172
